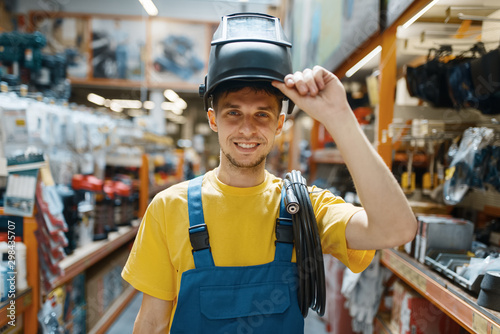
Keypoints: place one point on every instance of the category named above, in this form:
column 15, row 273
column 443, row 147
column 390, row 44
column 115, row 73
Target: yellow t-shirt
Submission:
column 240, row 222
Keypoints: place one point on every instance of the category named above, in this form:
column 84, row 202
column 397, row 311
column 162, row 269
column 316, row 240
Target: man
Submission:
column 242, row 280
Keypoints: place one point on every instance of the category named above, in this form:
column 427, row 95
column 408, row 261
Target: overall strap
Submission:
column 198, row 232
column 284, row 233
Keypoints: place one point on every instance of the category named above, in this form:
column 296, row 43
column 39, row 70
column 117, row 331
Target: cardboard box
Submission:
column 413, row 314
column 443, row 233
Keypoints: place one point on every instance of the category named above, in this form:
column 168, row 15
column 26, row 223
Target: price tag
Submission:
column 479, row 324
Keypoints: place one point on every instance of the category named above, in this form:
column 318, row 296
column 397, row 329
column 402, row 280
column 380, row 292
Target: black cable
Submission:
column 311, row 269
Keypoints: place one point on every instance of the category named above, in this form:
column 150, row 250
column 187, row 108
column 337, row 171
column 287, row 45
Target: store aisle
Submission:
column 125, row 322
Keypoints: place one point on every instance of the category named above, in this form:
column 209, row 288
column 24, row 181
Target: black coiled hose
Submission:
column 311, row 269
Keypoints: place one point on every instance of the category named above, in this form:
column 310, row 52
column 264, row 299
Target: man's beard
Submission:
column 250, row 165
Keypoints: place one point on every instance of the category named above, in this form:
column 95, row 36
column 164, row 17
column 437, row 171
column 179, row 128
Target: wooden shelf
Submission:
column 23, row 300
column 114, row 311
column 456, row 302
column 85, row 257
column 124, row 161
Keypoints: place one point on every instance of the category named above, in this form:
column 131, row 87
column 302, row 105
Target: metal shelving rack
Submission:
column 456, row 302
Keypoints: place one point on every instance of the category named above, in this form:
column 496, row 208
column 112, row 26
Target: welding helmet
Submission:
column 247, row 47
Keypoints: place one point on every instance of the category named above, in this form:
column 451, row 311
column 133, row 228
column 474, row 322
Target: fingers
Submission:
column 307, row 82
column 319, row 76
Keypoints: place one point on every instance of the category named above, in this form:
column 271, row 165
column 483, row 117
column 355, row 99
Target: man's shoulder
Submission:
column 178, row 190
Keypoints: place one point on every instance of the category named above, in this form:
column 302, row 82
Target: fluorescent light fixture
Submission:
column 115, row 107
column 149, row 7
column 363, row 61
column 171, row 95
column 148, row 105
column 128, row 104
column 172, row 107
column 180, row 103
column 420, row 13
column 96, row 99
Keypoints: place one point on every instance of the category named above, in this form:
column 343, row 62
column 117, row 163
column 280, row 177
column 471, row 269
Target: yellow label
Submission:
column 426, row 181
column 479, row 324
column 449, row 173
column 20, row 122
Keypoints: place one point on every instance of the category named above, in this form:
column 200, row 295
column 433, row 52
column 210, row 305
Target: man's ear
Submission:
column 211, row 119
column 281, row 121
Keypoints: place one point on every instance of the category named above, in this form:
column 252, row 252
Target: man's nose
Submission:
column 248, row 126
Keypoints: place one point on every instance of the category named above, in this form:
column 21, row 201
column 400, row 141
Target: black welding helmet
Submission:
column 247, row 47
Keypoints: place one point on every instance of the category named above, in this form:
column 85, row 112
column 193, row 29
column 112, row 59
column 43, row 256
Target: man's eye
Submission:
column 232, row 112
column 263, row 114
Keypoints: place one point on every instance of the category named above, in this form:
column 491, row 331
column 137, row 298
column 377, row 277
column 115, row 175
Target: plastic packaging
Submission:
column 21, row 268
column 462, row 173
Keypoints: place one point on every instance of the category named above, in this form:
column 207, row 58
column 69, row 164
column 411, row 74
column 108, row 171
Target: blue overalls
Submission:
column 234, row 300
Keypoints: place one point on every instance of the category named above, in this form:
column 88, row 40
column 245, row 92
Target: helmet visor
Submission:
column 250, row 27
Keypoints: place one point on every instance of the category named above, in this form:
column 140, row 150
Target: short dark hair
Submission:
column 232, row 86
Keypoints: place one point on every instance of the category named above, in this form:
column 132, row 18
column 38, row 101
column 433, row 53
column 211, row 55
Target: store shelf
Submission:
column 22, row 301
column 327, row 156
column 124, row 161
column 85, row 257
column 382, row 324
column 114, row 311
column 458, row 303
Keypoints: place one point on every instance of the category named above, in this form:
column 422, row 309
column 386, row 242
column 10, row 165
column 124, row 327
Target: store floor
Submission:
column 125, row 322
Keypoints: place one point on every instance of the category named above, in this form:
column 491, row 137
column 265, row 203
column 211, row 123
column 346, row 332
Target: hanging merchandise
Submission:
column 445, row 80
column 476, row 82
column 89, row 193
column 19, row 196
column 13, row 124
column 428, row 81
column 363, row 293
column 465, row 170
column 50, row 234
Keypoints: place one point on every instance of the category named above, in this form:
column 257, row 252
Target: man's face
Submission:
column 247, row 122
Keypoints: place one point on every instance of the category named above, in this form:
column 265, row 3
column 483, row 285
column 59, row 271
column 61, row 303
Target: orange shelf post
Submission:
column 388, row 69
column 143, row 186
column 30, row 322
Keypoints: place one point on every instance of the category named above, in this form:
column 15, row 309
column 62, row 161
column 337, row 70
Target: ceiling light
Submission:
column 363, row 61
column 148, row 105
column 180, row 103
column 171, row 95
column 420, row 13
column 115, row 107
column 171, row 106
column 149, row 7
column 96, row 99
column 128, row 104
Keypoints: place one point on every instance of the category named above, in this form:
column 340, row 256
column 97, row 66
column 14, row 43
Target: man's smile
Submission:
column 247, row 145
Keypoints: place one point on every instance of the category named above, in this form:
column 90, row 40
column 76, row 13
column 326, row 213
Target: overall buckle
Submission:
column 284, row 230
column 198, row 235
